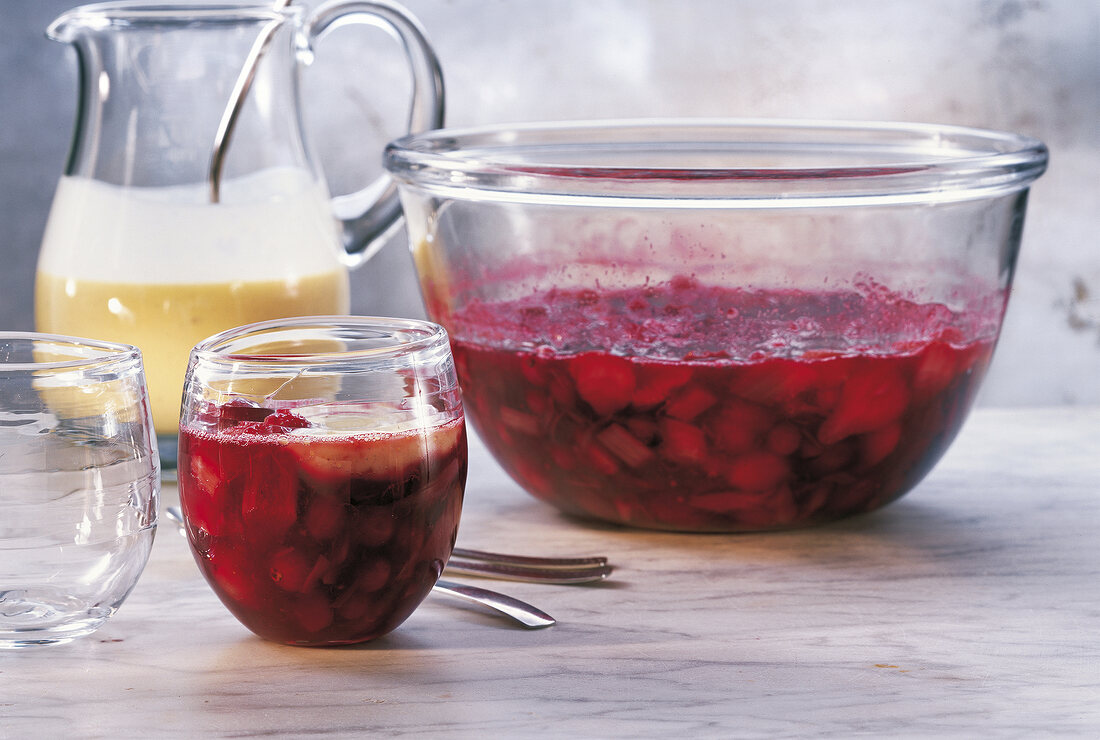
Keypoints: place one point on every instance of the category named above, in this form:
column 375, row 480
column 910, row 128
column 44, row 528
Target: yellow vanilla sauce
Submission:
column 166, row 320
column 136, row 266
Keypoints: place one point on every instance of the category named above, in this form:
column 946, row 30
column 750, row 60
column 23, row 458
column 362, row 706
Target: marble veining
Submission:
column 969, row 607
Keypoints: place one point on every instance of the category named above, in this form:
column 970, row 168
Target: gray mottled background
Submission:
column 1031, row 66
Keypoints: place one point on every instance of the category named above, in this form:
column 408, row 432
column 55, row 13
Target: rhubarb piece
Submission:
column 519, row 421
column 269, row 503
column 625, row 445
column 206, row 475
column 601, row 459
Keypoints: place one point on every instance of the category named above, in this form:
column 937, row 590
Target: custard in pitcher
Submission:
column 162, row 269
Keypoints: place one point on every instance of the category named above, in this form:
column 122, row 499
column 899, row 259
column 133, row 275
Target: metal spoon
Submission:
column 531, row 573
column 236, row 101
column 528, row 616
column 541, row 562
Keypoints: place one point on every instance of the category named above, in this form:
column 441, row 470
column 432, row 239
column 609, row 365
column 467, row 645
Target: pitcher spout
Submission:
column 71, row 24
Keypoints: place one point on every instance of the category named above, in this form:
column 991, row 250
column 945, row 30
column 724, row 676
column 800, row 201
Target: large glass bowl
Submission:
column 717, row 325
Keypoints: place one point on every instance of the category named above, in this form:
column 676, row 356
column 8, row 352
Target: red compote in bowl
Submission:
column 717, row 326
column 322, row 463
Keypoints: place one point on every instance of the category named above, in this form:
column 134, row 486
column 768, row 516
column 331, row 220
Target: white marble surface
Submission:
column 968, row 608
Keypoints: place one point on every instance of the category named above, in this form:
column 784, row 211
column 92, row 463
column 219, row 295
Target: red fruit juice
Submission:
column 320, row 539
column 697, row 408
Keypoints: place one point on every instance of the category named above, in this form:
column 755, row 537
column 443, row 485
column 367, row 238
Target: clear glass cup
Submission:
column 717, row 325
column 322, row 464
column 79, row 484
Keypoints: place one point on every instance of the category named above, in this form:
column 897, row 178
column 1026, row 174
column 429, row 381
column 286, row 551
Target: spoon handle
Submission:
column 529, row 573
column 522, row 612
column 496, row 557
column 236, row 102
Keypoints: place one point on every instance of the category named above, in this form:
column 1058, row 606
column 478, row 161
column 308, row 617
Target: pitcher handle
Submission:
column 370, row 215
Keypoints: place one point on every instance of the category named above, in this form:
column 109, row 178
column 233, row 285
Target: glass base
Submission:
column 30, row 617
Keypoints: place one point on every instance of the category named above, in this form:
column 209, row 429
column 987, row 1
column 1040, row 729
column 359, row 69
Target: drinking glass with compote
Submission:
column 322, row 463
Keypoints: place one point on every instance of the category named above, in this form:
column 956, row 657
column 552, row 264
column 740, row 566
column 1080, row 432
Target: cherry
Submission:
column 605, row 382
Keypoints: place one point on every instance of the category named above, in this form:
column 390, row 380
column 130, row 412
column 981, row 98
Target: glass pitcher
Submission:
column 190, row 202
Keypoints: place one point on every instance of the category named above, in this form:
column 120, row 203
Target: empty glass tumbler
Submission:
column 79, row 484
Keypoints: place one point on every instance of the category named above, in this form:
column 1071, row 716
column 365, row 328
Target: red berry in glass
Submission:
column 315, row 538
column 686, row 407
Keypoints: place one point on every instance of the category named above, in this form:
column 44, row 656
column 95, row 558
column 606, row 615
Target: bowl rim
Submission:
column 817, row 162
